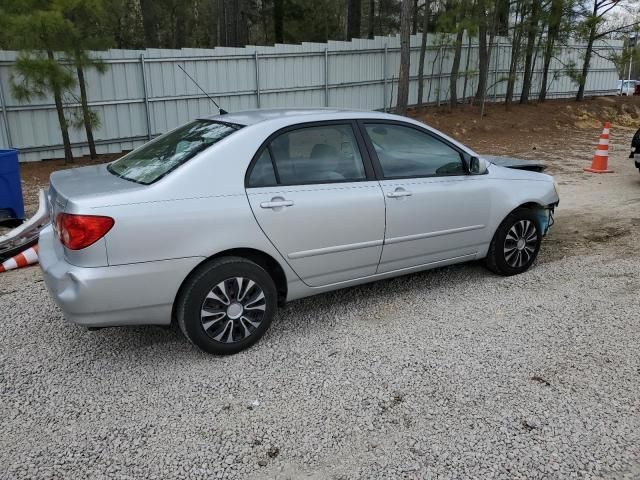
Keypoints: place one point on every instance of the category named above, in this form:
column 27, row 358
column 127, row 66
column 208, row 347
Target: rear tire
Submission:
column 515, row 244
column 226, row 305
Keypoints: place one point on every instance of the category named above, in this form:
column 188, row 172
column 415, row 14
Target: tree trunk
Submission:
column 553, row 32
column 86, row 114
column 483, row 60
column 516, row 43
column 455, row 69
column 433, row 69
column 502, row 17
column 484, row 53
column 423, row 54
column 149, row 22
column 587, row 53
column 466, row 71
column 372, row 18
column 403, row 77
column 532, row 33
column 180, row 36
column 354, row 17
column 57, row 96
column 278, row 20
column 234, row 22
column 414, row 21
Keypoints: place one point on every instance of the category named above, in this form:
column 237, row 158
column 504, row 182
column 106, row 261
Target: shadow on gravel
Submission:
column 132, row 339
column 294, row 319
column 369, row 298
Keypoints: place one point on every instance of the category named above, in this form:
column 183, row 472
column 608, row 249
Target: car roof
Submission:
column 285, row 117
column 295, row 115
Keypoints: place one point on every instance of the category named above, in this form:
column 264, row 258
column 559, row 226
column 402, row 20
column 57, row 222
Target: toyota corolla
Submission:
column 216, row 223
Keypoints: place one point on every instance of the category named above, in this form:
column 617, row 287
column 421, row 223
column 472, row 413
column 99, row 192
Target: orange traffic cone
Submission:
column 28, row 257
column 600, row 161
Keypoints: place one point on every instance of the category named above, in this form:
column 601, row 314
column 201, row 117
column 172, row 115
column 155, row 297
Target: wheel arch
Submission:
column 539, row 210
column 266, row 261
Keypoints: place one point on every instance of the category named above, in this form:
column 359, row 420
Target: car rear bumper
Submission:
column 133, row 294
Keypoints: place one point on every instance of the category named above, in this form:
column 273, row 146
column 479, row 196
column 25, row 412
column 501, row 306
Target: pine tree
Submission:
column 85, row 16
column 39, row 29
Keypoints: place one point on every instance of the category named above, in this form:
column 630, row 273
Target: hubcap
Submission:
column 520, row 243
column 233, row 310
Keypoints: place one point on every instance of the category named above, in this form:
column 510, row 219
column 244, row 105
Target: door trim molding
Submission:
column 335, row 249
column 439, row 233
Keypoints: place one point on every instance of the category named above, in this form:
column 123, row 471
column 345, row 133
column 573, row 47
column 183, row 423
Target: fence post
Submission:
column 495, row 73
column 3, row 104
column 146, row 96
column 257, row 61
column 384, row 81
column 441, row 55
column 326, row 77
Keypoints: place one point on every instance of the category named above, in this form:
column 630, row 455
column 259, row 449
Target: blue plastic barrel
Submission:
column 11, row 201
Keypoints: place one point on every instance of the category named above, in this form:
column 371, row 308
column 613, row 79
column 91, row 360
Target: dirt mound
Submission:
column 530, row 124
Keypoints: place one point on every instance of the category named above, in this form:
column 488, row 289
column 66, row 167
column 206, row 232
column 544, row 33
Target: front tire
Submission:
column 226, row 305
column 515, row 244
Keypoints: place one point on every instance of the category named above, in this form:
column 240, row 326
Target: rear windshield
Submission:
column 157, row 158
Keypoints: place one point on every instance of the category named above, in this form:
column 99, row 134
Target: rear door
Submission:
column 312, row 190
column 435, row 211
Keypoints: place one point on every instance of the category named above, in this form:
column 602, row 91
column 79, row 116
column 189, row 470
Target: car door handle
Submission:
column 277, row 203
column 399, row 193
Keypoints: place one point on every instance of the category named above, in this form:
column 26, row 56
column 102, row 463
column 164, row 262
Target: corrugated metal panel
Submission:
column 289, row 76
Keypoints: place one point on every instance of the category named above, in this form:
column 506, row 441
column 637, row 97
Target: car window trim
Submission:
column 360, row 143
column 377, row 166
column 276, row 174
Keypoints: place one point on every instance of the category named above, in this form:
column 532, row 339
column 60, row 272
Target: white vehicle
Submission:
column 626, row 87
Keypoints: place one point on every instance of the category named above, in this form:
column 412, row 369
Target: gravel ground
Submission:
column 449, row 374
column 454, row 373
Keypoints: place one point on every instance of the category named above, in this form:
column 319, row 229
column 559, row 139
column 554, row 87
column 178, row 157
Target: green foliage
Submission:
column 573, row 72
column 622, row 60
column 38, row 29
column 36, row 76
column 328, row 16
column 78, row 120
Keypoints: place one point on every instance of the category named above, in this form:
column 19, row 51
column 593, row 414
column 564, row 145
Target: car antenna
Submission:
column 222, row 110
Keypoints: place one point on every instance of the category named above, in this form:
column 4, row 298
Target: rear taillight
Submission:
column 79, row 231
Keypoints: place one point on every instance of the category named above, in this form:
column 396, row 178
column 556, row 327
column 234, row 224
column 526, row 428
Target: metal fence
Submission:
column 143, row 93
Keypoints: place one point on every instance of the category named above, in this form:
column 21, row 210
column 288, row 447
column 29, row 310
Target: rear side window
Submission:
column 408, row 152
column 157, row 158
column 263, row 174
column 318, row 154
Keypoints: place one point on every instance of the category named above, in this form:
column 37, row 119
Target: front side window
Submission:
column 321, row 154
column 408, row 152
column 156, row 159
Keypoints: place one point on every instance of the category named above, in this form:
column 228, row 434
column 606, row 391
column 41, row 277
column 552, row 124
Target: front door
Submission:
column 312, row 191
column 435, row 211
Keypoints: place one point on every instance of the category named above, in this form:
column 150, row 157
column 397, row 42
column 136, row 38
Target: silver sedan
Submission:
column 216, row 223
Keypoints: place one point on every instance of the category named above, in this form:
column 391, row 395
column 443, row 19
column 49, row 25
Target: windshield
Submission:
column 156, row 159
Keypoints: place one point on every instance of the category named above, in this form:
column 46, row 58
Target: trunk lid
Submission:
column 85, row 187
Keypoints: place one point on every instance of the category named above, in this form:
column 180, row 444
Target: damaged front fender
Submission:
column 545, row 218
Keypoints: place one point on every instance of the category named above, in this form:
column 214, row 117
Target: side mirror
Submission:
column 478, row 166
